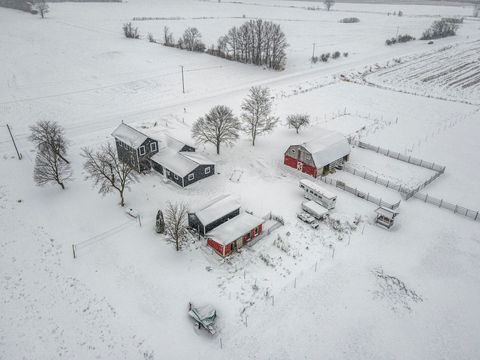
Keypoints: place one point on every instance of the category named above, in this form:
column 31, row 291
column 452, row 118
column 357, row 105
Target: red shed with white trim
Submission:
column 235, row 233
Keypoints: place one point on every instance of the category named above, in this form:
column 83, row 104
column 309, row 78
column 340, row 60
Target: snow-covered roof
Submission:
column 386, row 212
column 218, row 207
column 234, row 228
column 317, row 188
column 129, row 135
column 174, row 143
column 180, row 163
column 327, row 147
column 315, row 207
column 198, row 158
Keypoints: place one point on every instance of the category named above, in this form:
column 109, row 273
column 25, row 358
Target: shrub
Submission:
column 336, row 55
column 440, row 29
column 405, row 38
column 400, row 13
column 349, row 20
column 314, row 59
column 399, row 39
column 345, row 54
column 130, row 31
column 453, row 20
column 325, row 57
column 151, row 38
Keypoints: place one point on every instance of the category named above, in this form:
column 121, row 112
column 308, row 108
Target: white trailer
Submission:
column 317, row 193
column 313, row 208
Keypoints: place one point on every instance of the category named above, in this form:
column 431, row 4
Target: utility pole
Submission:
column 14, row 144
column 183, row 81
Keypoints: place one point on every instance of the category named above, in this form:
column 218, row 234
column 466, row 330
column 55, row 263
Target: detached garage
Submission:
column 235, row 233
column 319, row 156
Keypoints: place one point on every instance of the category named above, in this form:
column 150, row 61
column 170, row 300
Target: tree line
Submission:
column 255, row 42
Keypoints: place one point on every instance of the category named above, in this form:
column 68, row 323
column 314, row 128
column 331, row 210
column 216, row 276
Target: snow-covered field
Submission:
column 339, row 292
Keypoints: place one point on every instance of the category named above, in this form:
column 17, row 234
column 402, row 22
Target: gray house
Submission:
column 172, row 158
column 134, row 147
column 180, row 163
column 215, row 213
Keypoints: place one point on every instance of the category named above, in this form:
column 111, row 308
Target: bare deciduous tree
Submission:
column 298, row 121
column 167, row 37
column 256, row 115
column 257, row 42
column 176, row 222
column 328, row 4
column 50, row 167
column 49, row 134
column 217, row 127
column 107, row 171
column 192, row 40
column 42, row 7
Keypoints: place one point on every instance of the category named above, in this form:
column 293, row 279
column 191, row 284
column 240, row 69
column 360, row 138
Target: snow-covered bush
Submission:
column 151, row 38
column 336, row 55
column 349, row 20
column 345, row 54
column 130, row 31
column 454, row 20
column 399, row 39
column 440, row 29
column 325, row 57
column 267, row 259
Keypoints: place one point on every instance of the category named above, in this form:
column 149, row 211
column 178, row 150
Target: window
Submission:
column 175, row 176
column 207, row 170
column 256, row 230
column 142, row 150
column 191, row 177
column 168, row 172
column 153, row 146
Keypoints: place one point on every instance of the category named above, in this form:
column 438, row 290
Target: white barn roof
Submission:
column 234, row 228
column 217, row 208
column 129, row 135
column 327, row 147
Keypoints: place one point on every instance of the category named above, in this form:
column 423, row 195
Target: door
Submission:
column 299, row 166
column 239, row 243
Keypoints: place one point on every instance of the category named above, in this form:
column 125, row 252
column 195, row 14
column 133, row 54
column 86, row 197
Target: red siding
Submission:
column 216, row 246
column 293, row 163
column 260, row 228
column 228, row 249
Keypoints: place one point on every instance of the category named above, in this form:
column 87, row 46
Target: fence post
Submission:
column 441, row 202
column 74, row 253
column 455, row 211
column 476, row 216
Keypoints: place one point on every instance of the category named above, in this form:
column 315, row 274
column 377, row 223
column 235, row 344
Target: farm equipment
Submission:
column 204, row 316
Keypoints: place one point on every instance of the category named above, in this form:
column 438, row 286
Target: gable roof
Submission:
column 233, row 229
column 129, row 135
column 181, row 163
column 218, row 207
column 327, row 147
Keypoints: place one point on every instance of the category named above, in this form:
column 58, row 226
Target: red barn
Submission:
column 235, row 233
column 317, row 157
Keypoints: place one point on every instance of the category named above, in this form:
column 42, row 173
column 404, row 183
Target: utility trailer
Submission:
column 315, row 192
column 313, row 208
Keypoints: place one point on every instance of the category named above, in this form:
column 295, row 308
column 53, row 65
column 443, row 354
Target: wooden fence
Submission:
column 361, row 194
